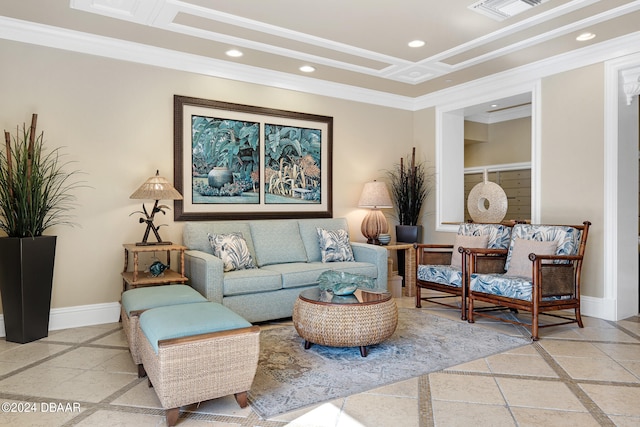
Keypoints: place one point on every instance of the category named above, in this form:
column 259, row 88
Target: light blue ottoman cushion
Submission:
column 184, row 320
column 159, row 296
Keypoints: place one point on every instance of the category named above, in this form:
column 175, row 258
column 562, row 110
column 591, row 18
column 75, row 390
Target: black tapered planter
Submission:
column 26, row 279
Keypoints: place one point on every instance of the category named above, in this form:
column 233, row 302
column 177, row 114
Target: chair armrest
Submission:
column 373, row 254
column 205, row 273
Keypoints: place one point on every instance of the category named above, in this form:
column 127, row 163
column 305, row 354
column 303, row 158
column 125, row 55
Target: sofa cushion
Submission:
column 335, row 245
column 520, row 263
column 298, row 273
column 277, row 242
column 232, row 250
column 250, row 281
column 442, row 274
column 309, row 233
column 356, row 267
column 195, row 234
column 466, row 242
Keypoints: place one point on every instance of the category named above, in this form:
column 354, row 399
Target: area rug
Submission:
column 290, row 377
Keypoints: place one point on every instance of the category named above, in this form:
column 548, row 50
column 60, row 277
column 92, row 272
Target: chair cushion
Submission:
column 159, row 296
column 499, row 235
column 277, row 242
column 503, row 285
column 186, row 320
column 520, row 263
column 442, row 274
column 567, row 238
column 232, row 250
column 466, row 242
column 335, row 245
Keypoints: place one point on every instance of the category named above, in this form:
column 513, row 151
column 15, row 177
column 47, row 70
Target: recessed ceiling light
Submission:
column 235, row 53
column 416, row 43
column 307, row 69
column 585, row 36
column 494, row 105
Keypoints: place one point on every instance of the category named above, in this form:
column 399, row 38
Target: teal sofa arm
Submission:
column 205, row 273
column 377, row 255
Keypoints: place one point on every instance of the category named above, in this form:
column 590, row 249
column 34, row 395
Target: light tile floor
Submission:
column 571, row 377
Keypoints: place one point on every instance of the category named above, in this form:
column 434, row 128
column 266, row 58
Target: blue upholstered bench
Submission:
column 197, row 352
column 135, row 301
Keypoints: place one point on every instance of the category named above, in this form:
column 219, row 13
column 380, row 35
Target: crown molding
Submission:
column 517, row 79
column 514, row 79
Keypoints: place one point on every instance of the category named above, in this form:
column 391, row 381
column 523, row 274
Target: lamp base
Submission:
column 153, row 243
column 373, row 224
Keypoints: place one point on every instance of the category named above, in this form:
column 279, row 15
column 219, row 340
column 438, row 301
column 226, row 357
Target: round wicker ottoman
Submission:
column 358, row 320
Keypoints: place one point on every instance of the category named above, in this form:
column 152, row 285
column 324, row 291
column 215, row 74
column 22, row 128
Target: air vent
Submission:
column 503, row 9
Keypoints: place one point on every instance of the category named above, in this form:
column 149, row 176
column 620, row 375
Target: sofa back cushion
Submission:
column 309, row 233
column 195, row 235
column 277, row 242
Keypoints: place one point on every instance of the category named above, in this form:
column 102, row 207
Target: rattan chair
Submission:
column 435, row 270
column 552, row 285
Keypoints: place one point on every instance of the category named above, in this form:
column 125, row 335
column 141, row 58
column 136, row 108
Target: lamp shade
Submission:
column 375, row 196
column 156, row 188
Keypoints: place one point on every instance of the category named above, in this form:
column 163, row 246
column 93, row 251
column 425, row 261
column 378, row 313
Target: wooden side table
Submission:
column 137, row 278
column 409, row 265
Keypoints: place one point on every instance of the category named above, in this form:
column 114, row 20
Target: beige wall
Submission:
column 116, row 119
column 506, row 142
column 571, row 164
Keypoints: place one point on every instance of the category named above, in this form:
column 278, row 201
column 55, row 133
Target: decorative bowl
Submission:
column 384, row 239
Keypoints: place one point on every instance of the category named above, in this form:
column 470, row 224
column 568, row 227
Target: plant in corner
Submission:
column 410, row 187
column 36, row 193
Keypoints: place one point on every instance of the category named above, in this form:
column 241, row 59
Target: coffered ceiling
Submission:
column 358, row 43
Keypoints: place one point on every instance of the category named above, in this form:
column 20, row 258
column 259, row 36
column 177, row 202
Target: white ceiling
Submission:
column 358, row 43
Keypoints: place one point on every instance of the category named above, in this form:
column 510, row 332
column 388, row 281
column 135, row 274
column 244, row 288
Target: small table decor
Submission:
column 342, row 283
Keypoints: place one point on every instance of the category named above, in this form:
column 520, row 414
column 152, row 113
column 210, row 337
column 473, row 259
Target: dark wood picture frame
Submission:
column 295, row 143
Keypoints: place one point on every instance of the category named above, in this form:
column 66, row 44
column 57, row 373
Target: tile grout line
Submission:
column 425, row 404
column 572, row 384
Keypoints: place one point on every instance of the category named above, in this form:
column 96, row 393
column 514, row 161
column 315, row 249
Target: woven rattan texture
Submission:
column 200, row 370
column 345, row 325
column 130, row 326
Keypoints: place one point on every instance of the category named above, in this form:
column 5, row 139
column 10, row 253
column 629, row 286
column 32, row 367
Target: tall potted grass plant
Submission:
column 36, row 193
column 410, row 186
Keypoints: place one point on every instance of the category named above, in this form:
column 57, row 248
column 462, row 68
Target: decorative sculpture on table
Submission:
column 484, row 193
column 157, row 269
column 342, row 283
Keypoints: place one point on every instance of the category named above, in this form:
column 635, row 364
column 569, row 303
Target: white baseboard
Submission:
column 82, row 315
column 601, row 308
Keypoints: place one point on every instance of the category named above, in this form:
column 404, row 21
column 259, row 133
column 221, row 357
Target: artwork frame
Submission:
column 280, row 162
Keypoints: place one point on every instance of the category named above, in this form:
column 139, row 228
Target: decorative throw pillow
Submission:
column 466, row 242
column 232, row 250
column 520, row 264
column 335, row 245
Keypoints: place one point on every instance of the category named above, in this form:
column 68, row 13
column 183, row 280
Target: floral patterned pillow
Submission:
column 335, row 245
column 232, row 250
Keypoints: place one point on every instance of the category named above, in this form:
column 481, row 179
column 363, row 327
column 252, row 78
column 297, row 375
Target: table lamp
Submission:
column 375, row 196
column 155, row 188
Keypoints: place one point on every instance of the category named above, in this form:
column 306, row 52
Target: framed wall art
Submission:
column 234, row 161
